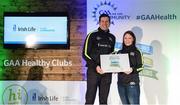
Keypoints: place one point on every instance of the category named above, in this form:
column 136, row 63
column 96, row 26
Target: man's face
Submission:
column 104, row 23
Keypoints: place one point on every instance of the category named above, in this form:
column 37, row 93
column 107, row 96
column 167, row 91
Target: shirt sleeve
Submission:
column 139, row 61
column 87, row 50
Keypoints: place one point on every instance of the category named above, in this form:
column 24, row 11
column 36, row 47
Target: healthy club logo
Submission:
column 14, row 95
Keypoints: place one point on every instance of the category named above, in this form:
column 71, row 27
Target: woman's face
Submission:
column 128, row 39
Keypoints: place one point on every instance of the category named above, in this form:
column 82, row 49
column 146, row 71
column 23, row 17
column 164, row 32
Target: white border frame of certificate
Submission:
column 115, row 63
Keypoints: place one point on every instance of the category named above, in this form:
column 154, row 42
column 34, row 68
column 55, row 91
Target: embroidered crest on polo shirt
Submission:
column 110, row 39
column 98, row 38
column 132, row 53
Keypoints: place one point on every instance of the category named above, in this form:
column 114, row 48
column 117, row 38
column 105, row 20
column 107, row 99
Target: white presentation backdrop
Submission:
column 42, row 92
column 156, row 24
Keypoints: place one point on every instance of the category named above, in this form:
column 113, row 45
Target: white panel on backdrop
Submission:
column 43, row 92
column 50, row 92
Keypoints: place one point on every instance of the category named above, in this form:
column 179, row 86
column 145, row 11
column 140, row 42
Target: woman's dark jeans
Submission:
column 129, row 94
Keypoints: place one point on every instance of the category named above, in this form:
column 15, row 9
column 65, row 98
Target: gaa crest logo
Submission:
column 104, row 8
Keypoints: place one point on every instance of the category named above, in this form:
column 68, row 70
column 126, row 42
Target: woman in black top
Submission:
column 128, row 82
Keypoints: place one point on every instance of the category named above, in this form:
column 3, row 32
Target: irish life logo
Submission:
column 24, row 28
column 15, row 95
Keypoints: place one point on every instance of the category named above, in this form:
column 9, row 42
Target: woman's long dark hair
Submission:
column 134, row 39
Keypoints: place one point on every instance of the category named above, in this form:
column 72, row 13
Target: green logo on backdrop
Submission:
column 14, row 95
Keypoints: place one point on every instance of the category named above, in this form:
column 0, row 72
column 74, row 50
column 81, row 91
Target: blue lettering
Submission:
column 14, row 28
column 26, row 29
column 104, row 12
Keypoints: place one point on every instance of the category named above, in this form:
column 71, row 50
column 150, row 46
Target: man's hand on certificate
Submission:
column 128, row 71
column 99, row 70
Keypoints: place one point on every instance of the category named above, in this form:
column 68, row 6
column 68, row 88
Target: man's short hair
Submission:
column 104, row 15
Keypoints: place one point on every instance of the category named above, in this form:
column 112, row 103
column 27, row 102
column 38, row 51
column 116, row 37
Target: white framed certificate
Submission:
column 115, row 63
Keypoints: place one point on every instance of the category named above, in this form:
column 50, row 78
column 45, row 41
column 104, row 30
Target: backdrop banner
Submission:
column 156, row 25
